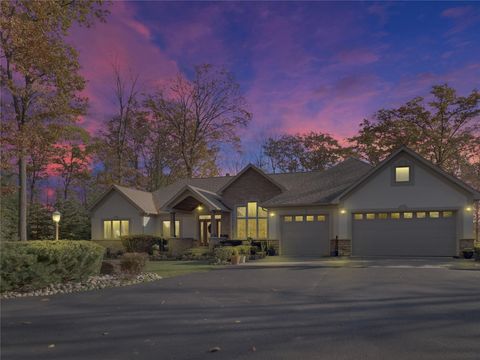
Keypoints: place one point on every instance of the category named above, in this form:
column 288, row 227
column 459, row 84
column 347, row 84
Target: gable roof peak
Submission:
column 250, row 166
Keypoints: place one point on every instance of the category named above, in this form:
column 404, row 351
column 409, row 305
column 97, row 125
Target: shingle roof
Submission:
column 317, row 187
column 142, row 199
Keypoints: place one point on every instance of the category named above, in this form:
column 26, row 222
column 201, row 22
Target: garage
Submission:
column 418, row 233
column 305, row 235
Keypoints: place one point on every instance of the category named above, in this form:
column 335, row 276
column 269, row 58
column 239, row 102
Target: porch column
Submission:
column 172, row 225
column 213, row 221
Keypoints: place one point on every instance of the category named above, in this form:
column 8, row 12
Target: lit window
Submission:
column 395, row 215
column 114, row 229
column 166, row 228
column 209, row 217
column 309, row 218
column 252, row 221
column 358, row 216
column 408, row 215
column 287, row 218
column 370, row 216
column 402, row 174
column 434, row 214
column 298, row 218
column 447, row 214
column 321, row 218
column 382, row 216
column 421, row 214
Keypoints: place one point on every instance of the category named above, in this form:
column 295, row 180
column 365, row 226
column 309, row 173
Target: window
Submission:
column 166, row 228
column 113, row 229
column 287, row 219
column 408, row 215
column 321, row 218
column 382, row 216
column 252, row 221
column 309, row 218
column 421, row 214
column 434, row 214
column 447, row 214
column 370, row 216
column 395, row 215
column 298, row 218
column 209, row 217
column 402, row 174
column 358, row 216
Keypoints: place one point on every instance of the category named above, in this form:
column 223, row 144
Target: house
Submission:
column 405, row 206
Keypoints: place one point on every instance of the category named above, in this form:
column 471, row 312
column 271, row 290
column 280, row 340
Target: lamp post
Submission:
column 56, row 219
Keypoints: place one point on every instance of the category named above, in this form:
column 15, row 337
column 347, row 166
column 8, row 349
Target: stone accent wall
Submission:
column 250, row 186
column 177, row 246
column 344, row 247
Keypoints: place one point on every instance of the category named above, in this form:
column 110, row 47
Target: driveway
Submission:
column 285, row 311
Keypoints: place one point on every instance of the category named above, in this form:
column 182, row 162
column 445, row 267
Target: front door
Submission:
column 205, row 226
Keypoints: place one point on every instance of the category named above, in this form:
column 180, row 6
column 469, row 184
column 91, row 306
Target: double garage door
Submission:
column 305, row 235
column 418, row 233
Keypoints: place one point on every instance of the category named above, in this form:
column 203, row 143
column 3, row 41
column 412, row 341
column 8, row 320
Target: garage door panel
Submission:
column 305, row 238
column 404, row 237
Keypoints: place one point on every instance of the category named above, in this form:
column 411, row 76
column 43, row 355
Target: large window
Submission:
column 113, row 229
column 251, row 221
column 166, row 228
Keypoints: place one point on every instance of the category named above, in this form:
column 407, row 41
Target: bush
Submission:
column 244, row 250
column 133, row 263
column 140, row 243
column 36, row 264
column 223, row 253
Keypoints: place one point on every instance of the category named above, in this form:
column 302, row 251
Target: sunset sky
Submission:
column 301, row 66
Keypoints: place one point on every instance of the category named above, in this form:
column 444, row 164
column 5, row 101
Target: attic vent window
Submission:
column 402, row 174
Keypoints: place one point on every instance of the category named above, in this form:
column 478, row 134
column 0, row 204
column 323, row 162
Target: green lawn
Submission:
column 174, row 268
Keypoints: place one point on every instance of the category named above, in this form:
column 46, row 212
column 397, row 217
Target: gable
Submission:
column 250, row 185
column 114, row 204
column 427, row 188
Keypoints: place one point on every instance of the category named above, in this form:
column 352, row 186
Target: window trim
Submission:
column 111, row 227
column 411, row 173
column 257, row 217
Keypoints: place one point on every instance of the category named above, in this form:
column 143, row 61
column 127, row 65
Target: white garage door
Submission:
column 305, row 235
column 419, row 233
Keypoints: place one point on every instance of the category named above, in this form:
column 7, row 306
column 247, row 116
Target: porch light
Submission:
column 199, row 207
column 56, row 219
column 272, row 214
column 343, row 211
column 468, row 208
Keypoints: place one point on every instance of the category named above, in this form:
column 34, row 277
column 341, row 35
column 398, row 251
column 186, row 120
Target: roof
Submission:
column 421, row 159
column 210, row 199
column 317, row 187
column 142, row 200
column 256, row 169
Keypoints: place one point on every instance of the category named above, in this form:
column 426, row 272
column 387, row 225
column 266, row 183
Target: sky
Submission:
column 302, row 66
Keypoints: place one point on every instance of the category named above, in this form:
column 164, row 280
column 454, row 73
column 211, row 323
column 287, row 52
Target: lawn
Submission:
column 174, row 268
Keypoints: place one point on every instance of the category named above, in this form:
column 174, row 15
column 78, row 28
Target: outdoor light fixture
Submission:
column 56, row 219
column 199, row 207
column 272, row 214
column 343, row 211
column 468, row 208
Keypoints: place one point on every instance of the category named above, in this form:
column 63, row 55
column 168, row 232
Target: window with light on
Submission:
column 251, row 221
column 402, row 174
column 114, row 229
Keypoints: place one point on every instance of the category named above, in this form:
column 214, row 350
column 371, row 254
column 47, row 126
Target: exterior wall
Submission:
column 427, row 191
column 115, row 206
column 251, row 186
column 275, row 223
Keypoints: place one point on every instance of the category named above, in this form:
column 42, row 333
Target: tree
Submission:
column 445, row 130
column 199, row 116
column 39, row 71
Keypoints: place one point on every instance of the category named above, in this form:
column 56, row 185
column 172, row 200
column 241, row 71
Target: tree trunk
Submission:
column 22, row 198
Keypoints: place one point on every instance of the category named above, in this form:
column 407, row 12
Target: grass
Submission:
column 172, row 268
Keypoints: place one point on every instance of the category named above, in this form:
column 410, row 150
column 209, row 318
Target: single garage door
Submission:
column 305, row 235
column 419, row 233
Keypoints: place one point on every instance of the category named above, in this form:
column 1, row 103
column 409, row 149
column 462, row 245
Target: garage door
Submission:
column 419, row 233
column 305, row 235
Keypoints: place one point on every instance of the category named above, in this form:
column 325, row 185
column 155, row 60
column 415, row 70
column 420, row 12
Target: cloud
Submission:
column 462, row 17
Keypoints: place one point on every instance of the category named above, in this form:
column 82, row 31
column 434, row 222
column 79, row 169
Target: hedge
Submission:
column 140, row 243
column 36, row 264
column 223, row 253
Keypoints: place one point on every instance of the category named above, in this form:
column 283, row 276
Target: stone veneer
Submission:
column 344, row 247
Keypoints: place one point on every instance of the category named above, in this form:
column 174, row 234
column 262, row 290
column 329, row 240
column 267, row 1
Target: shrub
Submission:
column 140, row 243
column 244, row 249
column 133, row 263
column 223, row 253
column 35, row 264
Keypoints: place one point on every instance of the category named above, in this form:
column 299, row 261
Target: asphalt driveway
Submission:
column 284, row 311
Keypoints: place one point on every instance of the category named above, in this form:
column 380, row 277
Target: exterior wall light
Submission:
column 56, row 219
column 272, row 214
column 343, row 211
column 468, row 208
column 199, row 207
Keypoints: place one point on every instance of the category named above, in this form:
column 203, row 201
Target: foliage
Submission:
column 40, row 224
column 8, row 212
column 245, row 249
column 36, row 264
column 140, row 243
column 303, row 152
column 223, row 253
column 133, row 263
column 75, row 221
column 445, row 130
